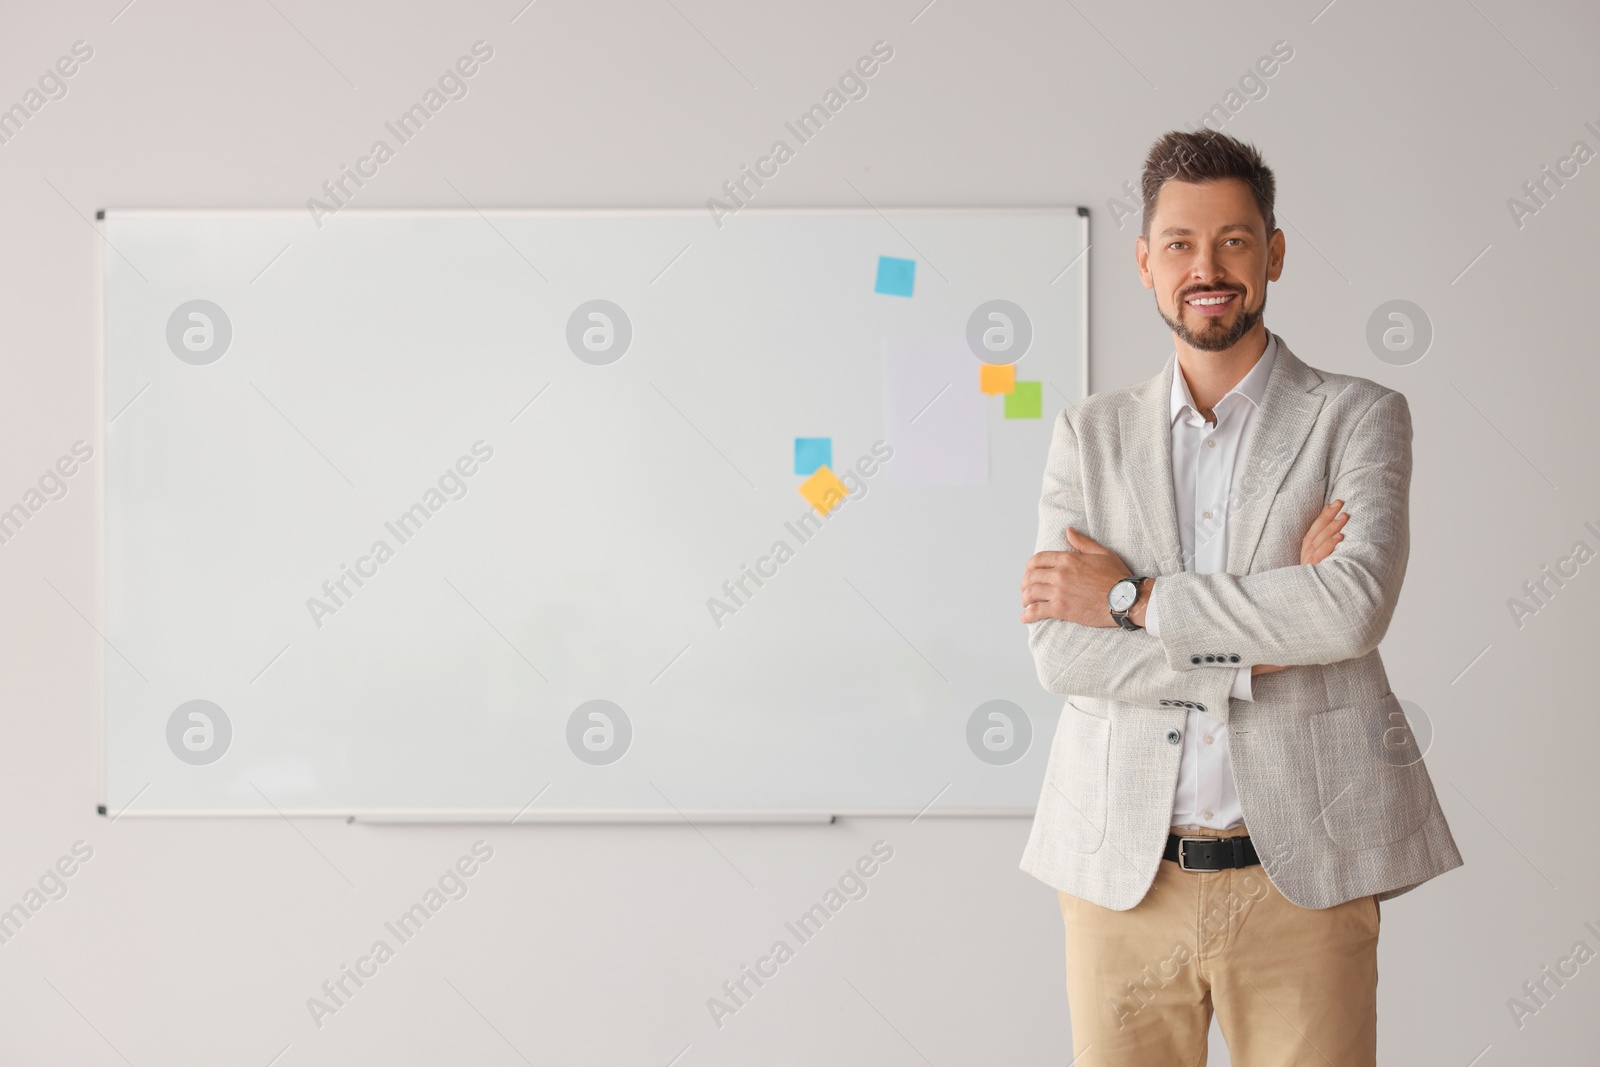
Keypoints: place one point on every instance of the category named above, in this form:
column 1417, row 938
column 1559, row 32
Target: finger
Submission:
column 1037, row 592
column 1319, row 525
column 1048, row 559
column 1323, row 543
column 1329, row 516
column 1083, row 542
column 1310, row 543
column 1035, row 572
column 1317, row 555
column 1052, row 568
column 1335, row 530
column 1315, row 539
column 1325, row 525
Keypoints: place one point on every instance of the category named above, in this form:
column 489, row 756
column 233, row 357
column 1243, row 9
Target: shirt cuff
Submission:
column 1241, row 684
column 1150, row 612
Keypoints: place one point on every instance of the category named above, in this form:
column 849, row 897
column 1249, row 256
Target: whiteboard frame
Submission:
column 506, row 816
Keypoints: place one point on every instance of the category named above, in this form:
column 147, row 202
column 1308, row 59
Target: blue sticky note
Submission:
column 811, row 453
column 895, row 276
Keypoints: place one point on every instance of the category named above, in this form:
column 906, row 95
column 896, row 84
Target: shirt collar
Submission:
column 1253, row 386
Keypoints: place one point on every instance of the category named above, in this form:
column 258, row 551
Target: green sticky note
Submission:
column 1026, row 401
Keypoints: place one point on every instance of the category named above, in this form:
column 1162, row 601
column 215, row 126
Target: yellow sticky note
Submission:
column 997, row 378
column 824, row 490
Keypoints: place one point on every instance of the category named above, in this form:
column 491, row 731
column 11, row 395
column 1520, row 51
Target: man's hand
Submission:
column 1072, row 585
column 1320, row 539
column 1317, row 545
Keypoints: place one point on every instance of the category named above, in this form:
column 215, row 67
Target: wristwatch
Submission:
column 1121, row 599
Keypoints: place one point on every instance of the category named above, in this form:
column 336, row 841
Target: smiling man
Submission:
column 1233, row 786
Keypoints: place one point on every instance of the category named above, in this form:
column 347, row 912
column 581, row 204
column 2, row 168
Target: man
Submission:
column 1232, row 787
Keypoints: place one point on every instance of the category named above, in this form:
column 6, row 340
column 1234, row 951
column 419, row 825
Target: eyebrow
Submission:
column 1179, row 231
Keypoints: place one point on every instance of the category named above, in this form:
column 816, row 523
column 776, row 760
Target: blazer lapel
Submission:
column 1289, row 409
column 1145, row 428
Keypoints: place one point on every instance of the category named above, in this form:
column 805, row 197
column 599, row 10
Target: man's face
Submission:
column 1209, row 259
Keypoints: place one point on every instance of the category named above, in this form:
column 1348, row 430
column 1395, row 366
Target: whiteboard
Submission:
column 564, row 494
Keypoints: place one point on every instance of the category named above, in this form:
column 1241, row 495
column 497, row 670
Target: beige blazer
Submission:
column 1334, row 790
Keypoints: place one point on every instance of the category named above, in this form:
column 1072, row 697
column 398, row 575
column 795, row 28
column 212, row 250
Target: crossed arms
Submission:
column 1330, row 608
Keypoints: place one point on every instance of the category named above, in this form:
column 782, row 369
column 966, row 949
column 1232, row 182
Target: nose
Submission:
column 1206, row 268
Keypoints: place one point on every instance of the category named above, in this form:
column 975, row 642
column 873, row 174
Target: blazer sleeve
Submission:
column 1108, row 663
column 1326, row 612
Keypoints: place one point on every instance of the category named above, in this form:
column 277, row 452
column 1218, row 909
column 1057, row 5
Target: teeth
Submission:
column 1207, row 301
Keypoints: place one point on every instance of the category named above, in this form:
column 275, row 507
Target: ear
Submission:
column 1275, row 256
column 1141, row 256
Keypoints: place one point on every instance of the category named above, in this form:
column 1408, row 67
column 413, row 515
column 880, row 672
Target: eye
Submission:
column 1176, row 244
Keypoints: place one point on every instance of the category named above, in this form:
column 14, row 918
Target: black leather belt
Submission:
column 1210, row 853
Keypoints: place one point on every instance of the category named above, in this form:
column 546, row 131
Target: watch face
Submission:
column 1123, row 594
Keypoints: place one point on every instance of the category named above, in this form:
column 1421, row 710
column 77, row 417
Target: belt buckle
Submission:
column 1183, row 854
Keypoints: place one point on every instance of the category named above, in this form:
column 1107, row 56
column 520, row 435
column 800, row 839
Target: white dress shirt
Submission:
column 1205, row 460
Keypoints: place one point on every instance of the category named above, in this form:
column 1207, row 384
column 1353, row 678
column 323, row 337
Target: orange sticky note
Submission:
column 824, row 490
column 997, row 378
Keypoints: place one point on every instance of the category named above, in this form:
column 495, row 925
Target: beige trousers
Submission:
column 1291, row 986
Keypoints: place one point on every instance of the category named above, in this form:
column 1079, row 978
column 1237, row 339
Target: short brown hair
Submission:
column 1206, row 156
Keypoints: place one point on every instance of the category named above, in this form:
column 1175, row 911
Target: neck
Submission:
column 1210, row 375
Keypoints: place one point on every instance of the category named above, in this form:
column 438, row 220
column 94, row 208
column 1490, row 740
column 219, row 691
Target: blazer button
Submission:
column 1166, row 703
column 1194, row 659
column 1234, row 658
column 1200, row 707
column 1211, row 659
column 1173, row 737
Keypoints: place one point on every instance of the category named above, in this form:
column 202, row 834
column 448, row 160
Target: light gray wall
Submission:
column 1398, row 133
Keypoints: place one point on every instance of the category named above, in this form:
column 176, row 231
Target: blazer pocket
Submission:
column 1080, row 759
column 1373, row 787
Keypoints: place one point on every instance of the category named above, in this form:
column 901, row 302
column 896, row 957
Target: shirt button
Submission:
column 1208, row 514
column 1210, row 443
column 1205, row 815
column 1209, row 739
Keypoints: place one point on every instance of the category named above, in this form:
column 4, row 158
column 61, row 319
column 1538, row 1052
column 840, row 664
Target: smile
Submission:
column 1211, row 303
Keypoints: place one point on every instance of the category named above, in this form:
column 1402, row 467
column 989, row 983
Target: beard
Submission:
column 1213, row 336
